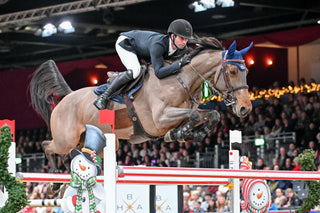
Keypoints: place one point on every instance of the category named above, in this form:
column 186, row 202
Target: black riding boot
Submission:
column 103, row 100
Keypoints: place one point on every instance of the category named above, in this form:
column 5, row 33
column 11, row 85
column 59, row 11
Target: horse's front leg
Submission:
column 204, row 122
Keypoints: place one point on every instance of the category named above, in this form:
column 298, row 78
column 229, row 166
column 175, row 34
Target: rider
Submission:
column 136, row 44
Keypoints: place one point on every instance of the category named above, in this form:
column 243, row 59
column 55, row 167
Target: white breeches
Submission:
column 128, row 59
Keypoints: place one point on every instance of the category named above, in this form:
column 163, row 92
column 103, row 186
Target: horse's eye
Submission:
column 233, row 72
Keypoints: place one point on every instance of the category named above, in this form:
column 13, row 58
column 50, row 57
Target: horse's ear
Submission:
column 245, row 50
column 231, row 50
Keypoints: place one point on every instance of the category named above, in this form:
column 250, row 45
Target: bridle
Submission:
column 230, row 100
column 228, row 96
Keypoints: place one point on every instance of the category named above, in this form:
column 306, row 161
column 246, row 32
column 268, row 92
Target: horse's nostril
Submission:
column 243, row 110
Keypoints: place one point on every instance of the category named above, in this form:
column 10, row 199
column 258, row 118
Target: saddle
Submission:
column 125, row 96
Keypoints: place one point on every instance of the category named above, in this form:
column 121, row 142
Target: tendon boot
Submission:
column 103, row 100
column 181, row 135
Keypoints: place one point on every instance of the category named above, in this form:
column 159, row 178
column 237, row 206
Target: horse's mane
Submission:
column 206, row 43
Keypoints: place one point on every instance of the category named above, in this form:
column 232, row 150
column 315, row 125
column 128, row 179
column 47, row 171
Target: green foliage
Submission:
column 17, row 198
column 307, row 164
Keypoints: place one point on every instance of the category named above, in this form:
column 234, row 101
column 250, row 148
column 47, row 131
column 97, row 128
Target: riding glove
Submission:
column 186, row 59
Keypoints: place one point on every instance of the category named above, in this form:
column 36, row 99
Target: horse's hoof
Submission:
column 194, row 117
column 167, row 137
column 54, row 188
column 214, row 116
column 63, row 190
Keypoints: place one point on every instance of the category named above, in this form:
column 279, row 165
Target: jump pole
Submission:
column 44, row 202
column 150, row 175
column 110, row 173
column 234, row 164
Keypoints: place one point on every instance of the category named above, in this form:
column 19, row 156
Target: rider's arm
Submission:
column 157, row 61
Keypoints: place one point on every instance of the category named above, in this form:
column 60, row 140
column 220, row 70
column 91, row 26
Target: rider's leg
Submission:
column 131, row 62
column 102, row 101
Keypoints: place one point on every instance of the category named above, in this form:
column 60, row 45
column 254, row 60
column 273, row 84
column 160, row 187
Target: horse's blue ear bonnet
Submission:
column 233, row 54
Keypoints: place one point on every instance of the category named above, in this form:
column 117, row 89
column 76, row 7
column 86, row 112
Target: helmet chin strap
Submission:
column 174, row 41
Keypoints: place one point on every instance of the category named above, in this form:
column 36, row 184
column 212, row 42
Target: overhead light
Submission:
column 225, row 3
column 66, row 27
column 48, row 30
column 101, row 66
column 203, row 5
column 318, row 22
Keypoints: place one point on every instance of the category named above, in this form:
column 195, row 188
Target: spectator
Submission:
column 163, row 159
column 277, row 107
column 212, row 205
column 288, row 165
column 311, row 132
column 287, row 126
column 249, row 129
column 260, row 164
column 277, row 127
column 137, row 159
column 186, row 208
column 280, row 198
column 258, row 125
column 197, row 208
column 273, row 206
column 292, row 199
column 205, row 204
column 221, row 204
column 186, row 196
column 296, row 164
column 128, row 161
column 120, row 155
column 194, row 197
column 146, row 161
column 275, row 162
column 190, row 148
column 145, row 150
column 282, row 157
column 273, row 185
column 292, row 147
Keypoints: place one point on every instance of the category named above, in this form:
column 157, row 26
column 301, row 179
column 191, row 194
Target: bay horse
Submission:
column 166, row 108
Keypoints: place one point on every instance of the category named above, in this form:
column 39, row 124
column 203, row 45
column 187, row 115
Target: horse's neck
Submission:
column 203, row 66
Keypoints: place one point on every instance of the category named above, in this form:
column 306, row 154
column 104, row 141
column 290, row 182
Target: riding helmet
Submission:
column 182, row 28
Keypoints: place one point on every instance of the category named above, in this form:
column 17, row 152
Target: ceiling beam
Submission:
column 62, row 9
column 264, row 28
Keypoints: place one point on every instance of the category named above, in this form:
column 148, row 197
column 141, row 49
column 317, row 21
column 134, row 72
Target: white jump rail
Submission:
column 173, row 175
column 217, row 173
column 129, row 179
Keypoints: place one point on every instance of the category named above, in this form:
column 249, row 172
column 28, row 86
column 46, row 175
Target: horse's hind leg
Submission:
column 50, row 155
column 52, row 189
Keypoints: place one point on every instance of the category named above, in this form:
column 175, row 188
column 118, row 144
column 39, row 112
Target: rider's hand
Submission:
column 186, row 59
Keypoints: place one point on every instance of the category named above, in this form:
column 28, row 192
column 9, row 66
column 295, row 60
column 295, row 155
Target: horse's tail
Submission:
column 46, row 87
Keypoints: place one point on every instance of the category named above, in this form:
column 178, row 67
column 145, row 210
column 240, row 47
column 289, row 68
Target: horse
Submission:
column 167, row 108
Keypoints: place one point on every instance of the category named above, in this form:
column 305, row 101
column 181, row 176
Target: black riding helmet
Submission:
column 182, row 28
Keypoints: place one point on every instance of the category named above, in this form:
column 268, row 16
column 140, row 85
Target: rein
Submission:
column 228, row 99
